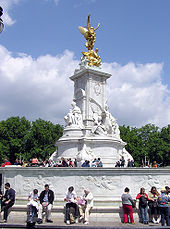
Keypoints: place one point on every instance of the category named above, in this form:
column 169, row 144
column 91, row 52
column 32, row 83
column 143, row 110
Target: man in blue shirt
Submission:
column 163, row 200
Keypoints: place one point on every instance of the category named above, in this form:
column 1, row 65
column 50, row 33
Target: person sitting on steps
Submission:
column 71, row 198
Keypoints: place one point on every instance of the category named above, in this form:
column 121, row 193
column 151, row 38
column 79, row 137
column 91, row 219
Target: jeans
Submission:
column 5, row 208
column 169, row 211
column 164, row 216
column 144, row 213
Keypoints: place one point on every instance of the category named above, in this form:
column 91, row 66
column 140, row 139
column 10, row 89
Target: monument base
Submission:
column 89, row 148
column 104, row 183
column 90, row 131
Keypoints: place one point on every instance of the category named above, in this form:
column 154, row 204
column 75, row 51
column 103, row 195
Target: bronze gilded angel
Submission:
column 89, row 34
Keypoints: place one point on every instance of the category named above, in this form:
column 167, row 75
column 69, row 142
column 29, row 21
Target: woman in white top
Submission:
column 71, row 199
column 33, row 204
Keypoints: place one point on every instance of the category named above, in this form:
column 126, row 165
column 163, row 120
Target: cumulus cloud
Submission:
column 41, row 88
column 136, row 94
column 7, row 5
column 36, row 88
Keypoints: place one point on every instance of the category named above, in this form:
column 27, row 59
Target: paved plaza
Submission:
column 18, row 220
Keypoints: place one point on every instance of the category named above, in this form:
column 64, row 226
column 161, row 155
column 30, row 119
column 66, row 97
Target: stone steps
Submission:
column 60, row 209
column 60, row 202
column 103, row 208
column 98, row 209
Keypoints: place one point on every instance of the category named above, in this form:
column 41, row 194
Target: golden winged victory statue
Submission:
column 90, row 36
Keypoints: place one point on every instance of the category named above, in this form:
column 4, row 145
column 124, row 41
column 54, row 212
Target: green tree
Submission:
column 148, row 141
column 165, row 138
column 41, row 139
column 134, row 143
column 13, row 133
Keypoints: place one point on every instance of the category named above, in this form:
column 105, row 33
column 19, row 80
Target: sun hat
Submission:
column 163, row 189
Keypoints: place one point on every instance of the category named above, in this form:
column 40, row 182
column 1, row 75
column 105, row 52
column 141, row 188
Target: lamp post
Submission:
column 1, row 21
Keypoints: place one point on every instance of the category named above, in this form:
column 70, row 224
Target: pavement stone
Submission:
column 18, row 219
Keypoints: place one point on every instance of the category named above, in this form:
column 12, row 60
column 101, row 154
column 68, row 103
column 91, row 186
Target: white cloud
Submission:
column 7, row 5
column 36, row 87
column 136, row 94
column 41, row 88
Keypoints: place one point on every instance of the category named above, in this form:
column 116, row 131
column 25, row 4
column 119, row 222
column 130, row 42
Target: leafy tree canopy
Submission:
column 22, row 138
column 148, row 142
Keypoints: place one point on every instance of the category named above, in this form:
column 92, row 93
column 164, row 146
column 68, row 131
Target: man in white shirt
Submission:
column 46, row 203
column 85, row 209
column 71, row 198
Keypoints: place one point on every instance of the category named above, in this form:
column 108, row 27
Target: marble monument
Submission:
column 90, row 129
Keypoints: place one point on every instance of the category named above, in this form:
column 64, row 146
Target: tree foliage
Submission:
column 21, row 138
column 148, row 142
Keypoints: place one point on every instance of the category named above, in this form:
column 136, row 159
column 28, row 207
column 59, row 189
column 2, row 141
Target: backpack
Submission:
column 163, row 199
column 143, row 201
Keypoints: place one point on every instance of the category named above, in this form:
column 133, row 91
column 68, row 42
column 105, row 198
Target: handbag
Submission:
column 155, row 204
column 134, row 204
column 81, row 202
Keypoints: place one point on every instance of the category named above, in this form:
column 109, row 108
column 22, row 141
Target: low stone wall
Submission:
column 105, row 183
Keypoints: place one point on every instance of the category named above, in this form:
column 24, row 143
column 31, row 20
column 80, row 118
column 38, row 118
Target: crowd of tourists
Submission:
column 77, row 208
column 157, row 204
column 34, row 162
column 122, row 163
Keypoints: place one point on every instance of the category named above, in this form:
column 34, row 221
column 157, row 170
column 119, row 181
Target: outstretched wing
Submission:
column 82, row 30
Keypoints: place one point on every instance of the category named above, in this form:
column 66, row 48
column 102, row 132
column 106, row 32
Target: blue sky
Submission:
column 133, row 41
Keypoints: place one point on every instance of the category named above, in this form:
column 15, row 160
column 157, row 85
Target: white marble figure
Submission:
column 74, row 116
column 84, row 65
column 110, row 123
column 104, row 122
column 98, row 127
column 54, row 156
column 85, row 154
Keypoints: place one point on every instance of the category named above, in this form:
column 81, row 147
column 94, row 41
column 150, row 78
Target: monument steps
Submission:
column 98, row 203
column 98, row 214
column 104, row 208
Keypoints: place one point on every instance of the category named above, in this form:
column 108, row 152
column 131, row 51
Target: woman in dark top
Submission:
column 143, row 205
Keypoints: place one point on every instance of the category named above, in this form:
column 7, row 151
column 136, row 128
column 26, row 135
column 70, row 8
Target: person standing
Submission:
column 71, row 198
column 9, row 200
column 86, row 208
column 163, row 200
column 46, row 203
column 75, row 162
column 143, row 205
column 153, row 205
column 129, row 164
column 122, row 164
column 64, row 163
column 127, row 206
column 168, row 193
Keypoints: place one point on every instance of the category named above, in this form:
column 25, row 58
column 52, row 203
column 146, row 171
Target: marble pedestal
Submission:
column 88, row 148
column 91, row 131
